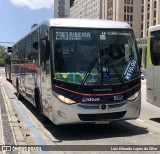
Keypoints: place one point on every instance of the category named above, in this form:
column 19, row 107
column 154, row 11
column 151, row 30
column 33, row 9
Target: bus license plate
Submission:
column 101, row 122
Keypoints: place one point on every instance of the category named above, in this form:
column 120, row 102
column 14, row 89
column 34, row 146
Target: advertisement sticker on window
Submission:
column 129, row 70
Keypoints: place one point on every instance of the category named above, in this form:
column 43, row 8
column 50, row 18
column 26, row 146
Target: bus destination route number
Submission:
column 73, row 36
column 128, row 72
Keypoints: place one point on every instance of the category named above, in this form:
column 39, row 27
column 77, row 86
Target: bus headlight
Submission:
column 134, row 96
column 66, row 100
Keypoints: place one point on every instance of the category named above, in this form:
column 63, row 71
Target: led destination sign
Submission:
column 73, row 35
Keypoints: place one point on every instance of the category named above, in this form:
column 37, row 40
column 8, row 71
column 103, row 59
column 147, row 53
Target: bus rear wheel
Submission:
column 19, row 96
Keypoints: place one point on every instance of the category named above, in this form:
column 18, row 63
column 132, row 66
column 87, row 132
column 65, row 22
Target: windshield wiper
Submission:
column 109, row 64
column 90, row 69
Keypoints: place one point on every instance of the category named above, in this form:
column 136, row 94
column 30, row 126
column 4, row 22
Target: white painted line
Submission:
column 140, row 120
column 1, row 129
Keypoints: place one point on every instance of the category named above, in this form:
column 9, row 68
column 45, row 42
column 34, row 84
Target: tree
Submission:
column 3, row 55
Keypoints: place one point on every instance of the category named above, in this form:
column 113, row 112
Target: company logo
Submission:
column 90, row 99
column 102, row 90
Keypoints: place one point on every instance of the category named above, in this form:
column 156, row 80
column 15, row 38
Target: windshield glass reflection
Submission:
column 94, row 57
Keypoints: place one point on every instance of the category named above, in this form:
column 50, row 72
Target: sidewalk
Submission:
column 10, row 133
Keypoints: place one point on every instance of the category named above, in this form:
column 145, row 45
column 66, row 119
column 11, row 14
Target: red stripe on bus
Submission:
column 99, row 94
column 29, row 66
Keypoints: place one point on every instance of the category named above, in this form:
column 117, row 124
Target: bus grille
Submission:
column 98, row 106
column 104, row 116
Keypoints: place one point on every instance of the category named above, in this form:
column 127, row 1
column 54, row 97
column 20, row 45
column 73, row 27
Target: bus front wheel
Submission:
column 39, row 107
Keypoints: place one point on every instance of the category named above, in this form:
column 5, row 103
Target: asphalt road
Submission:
column 143, row 131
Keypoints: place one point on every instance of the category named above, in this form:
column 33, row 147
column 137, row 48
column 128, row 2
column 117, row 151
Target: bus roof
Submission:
column 86, row 23
column 154, row 28
column 81, row 23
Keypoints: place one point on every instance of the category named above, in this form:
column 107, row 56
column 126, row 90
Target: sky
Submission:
column 17, row 17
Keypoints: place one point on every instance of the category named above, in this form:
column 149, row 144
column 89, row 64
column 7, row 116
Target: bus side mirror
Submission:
column 35, row 45
column 44, row 43
column 9, row 49
column 45, row 49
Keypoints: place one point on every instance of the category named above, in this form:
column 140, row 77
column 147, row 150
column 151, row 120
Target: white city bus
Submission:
column 153, row 65
column 80, row 71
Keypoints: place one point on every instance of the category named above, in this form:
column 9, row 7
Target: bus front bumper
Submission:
column 81, row 113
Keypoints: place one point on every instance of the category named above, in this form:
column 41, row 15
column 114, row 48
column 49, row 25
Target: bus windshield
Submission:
column 94, row 56
column 155, row 47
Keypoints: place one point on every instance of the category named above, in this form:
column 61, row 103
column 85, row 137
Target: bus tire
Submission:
column 39, row 108
column 19, row 96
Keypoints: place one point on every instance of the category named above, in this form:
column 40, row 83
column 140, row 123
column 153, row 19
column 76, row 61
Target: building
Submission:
column 120, row 10
column 62, row 8
column 124, row 10
column 140, row 14
column 55, row 13
column 86, row 9
column 150, row 15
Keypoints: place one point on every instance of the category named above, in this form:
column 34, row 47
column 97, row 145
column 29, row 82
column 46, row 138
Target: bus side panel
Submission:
column 46, row 95
column 156, row 85
column 14, row 73
column 30, row 78
column 149, row 63
column 153, row 85
column 149, row 84
column 8, row 72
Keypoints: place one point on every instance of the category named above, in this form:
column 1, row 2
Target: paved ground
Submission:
column 10, row 133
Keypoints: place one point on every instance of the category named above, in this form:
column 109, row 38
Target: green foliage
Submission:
column 2, row 62
column 3, row 55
